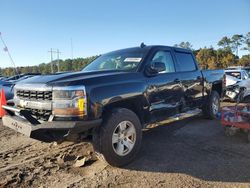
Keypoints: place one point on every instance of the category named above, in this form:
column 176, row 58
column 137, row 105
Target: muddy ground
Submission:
column 189, row 153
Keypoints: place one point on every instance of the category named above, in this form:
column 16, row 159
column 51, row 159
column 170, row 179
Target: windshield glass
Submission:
column 125, row 60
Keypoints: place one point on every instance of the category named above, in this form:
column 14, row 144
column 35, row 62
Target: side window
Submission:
column 185, row 61
column 166, row 58
column 245, row 75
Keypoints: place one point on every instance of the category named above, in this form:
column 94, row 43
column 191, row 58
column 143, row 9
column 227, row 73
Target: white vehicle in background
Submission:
column 236, row 80
column 235, row 76
column 247, row 69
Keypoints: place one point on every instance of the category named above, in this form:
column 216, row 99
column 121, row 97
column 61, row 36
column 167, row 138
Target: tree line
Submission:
column 45, row 68
column 226, row 55
column 208, row 57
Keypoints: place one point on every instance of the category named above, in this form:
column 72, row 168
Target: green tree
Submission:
column 225, row 43
column 186, row 45
column 247, row 42
column 209, row 58
column 226, row 58
column 206, row 58
column 237, row 41
column 245, row 60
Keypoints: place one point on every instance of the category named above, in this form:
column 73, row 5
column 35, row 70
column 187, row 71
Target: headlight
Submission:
column 69, row 101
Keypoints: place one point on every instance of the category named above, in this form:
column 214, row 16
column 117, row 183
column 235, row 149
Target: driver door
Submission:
column 164, row 89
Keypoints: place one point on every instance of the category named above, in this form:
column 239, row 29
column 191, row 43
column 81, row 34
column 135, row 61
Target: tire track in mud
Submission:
column 27, row 163
column 172, row 157
column 203, row 148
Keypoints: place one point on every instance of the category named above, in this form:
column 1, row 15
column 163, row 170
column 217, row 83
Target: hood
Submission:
column 230, row 80
column 245, row 83
column 71, row 78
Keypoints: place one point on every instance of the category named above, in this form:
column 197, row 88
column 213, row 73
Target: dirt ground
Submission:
column 188, row 153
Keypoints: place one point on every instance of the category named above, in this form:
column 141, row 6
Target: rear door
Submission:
column 164, row 89
column 191, row 78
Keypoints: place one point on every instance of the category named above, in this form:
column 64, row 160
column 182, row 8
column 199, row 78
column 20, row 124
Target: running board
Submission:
column 176, row 117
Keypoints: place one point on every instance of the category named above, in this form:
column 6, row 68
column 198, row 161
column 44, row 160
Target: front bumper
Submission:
column 48, row 131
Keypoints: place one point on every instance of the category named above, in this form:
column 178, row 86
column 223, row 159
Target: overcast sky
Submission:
column 30, row 28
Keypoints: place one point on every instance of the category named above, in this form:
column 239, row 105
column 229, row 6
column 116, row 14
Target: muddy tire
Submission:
column 212, row 106
column 119, row 138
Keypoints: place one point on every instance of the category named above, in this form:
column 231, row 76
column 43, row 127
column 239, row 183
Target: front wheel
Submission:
column 212, row 106
column 119, row 137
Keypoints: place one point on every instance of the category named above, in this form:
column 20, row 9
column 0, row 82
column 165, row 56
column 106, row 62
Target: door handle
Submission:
column 198, row 78
column 177, row 80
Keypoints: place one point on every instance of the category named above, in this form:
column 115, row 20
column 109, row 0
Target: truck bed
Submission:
column 213, row 76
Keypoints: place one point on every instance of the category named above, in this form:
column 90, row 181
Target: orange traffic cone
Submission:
column 2, row 102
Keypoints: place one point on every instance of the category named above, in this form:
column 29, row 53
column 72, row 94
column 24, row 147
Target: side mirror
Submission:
column 156, row 67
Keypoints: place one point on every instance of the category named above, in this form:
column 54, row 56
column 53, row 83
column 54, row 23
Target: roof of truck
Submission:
column 149, row 47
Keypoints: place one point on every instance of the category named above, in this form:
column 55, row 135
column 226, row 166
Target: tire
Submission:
column 114, row 149
column 208, row 109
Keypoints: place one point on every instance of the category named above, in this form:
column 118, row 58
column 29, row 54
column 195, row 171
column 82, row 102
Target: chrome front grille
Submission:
column 34, row 95
column 35, row 98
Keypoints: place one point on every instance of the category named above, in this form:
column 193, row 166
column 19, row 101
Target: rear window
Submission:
column 185, row 62
column 235, row 74
column 248, row 71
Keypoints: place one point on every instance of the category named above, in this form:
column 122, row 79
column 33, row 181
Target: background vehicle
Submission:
column 234, row 76
column 233, row 91
column 235, row 79
column 114, row 98
column 16, row 77
column 9, row 83
column 3, row 77
column 247, row 69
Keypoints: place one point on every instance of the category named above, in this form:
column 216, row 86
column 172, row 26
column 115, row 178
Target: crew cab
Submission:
column 114, row 98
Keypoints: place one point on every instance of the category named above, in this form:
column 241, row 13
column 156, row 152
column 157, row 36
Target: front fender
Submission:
column 103, row 96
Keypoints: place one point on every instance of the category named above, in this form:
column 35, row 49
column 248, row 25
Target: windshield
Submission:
column 125, row 60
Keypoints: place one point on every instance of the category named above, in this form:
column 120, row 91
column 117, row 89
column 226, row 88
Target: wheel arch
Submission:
column 135, row 104
column 218, row 88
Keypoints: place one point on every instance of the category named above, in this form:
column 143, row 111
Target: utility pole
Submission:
column 217, row 59
column 58, row 63
column 71, row 45
column 51, row 59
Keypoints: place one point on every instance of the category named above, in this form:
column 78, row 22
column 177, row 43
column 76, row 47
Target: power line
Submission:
column 8, row 52
column 51, row 59
column 58, row 62
column 51, row 51
column 71, row 45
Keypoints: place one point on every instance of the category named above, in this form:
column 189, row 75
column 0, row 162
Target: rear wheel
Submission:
column 212, row 107
column 119, row 138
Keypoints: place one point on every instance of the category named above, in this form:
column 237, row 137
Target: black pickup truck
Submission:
column 113, row 98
